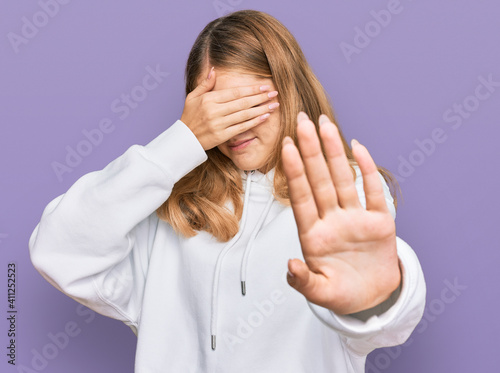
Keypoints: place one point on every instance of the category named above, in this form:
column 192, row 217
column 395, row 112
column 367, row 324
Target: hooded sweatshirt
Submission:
column 197, row 304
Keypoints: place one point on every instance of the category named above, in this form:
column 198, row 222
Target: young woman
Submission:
column 188, row 239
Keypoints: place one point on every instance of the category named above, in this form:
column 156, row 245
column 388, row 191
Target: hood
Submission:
column 248, row 178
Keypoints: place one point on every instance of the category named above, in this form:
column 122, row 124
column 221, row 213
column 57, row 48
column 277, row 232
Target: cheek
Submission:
column 269, row 131
column 222, row 148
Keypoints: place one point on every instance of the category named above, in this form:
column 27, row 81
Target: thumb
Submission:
column 206, row 85
column 300, row 277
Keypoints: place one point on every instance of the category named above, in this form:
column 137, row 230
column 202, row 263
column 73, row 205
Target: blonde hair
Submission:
column 254, row 42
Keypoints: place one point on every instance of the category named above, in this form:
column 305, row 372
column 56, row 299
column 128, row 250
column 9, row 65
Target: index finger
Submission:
column 301, row 196
column 230, row 94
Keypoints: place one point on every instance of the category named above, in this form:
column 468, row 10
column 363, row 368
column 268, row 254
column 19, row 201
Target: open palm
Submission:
column 351, row 262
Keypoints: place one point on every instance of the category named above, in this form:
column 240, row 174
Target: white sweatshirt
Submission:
column 102, row 244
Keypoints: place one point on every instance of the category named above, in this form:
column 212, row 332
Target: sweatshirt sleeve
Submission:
column 93, row 242
column 392, row 322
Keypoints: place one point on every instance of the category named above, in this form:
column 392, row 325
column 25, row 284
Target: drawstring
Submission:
column 222, row 254
column 246, row 253
column 215, row 288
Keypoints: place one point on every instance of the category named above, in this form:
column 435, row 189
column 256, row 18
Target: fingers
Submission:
column 316, row 168
column 243, row 108
column 236, row 129
column 238, row 93
column 338, row 164
column 235, row 103
column 238, row 105
column 372, row 185
column 301, row 197
column 246, row 112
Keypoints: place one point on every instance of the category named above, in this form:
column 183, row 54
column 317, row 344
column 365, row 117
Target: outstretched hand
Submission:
column 351, row 262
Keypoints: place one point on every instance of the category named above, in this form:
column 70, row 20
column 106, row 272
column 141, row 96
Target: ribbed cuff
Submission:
column 176, row 150
column 405, row 308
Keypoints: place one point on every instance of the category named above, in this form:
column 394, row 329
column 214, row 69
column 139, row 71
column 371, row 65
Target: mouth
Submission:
column 240, row 144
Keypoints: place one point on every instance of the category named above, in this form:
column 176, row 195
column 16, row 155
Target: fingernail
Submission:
column 323, row 119
column 210, row 73
column 287, row 140
column 264, row 87
column 354, row 142
column 272, row 94
column 290, row 273
column 302, row 116
column 274, row 105
column 264, row 116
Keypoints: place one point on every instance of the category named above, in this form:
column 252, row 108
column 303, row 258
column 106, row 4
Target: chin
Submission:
column 247, row 166
column 246, row 161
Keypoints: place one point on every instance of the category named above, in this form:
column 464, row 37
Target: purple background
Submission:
column 390, row 95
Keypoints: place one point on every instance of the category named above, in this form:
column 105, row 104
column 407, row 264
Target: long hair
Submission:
column 254, row 42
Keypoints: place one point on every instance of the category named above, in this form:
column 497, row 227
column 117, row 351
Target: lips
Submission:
column 238, row 143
